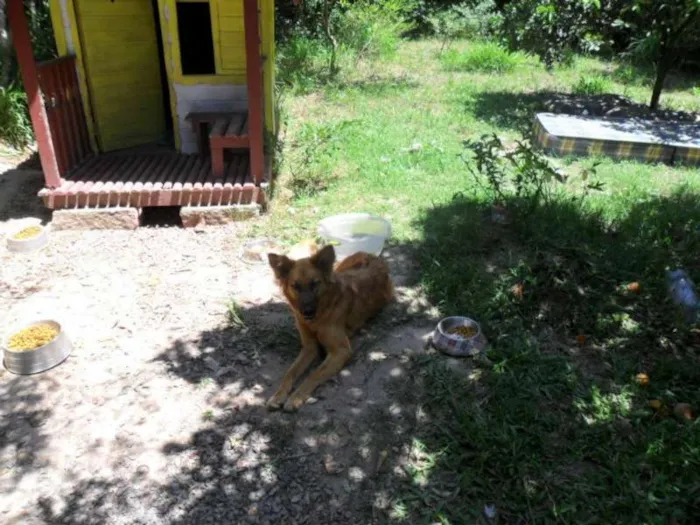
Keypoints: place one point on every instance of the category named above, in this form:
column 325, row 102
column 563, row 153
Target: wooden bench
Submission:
column 226, row 131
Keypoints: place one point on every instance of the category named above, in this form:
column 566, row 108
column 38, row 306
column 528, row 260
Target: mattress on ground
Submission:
column 633, row 138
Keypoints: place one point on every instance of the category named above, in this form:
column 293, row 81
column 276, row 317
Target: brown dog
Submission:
column 328, row 307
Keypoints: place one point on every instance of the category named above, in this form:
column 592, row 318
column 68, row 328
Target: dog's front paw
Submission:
column 275, row 402
column 293, row 404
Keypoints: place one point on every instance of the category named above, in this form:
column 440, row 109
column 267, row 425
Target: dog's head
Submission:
column 306, row 280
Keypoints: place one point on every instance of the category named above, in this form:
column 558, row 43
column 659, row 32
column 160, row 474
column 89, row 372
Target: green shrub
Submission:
column 597, row 85
column 371, row 29
column 15, row 126
column 487, row 57
column 301, row 62
column 315, row 167
column 464, row 21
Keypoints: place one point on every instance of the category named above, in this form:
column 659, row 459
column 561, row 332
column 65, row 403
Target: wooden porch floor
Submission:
column 161, row 178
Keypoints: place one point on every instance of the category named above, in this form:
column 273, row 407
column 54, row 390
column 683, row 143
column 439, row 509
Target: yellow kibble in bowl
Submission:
column 465, row 332
column 32, row 337
column 27, row 233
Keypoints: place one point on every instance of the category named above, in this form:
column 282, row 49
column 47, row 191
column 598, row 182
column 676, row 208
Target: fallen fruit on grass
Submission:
column 517, row 290
column 684, row 411
column 642, row 379
column 655, row 404
column 634, row 287
column 581, row 339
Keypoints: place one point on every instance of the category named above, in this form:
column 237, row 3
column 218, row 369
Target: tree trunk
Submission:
column 5, row 51
column 327, row 12
column 661, row 73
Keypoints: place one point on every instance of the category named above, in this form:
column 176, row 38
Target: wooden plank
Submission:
column 207, row 116
column 176, row 188
column 234, row 127
column 230, row 180
column 244, row 128
column 120, row 189
column 164, row 166
column 190, row 180
column 59, row 195
column 248, row 187
column 169, row 175
column 256, row 115
column 218, row 128
column 97, row 196
column 77, row 190
column 70, row 98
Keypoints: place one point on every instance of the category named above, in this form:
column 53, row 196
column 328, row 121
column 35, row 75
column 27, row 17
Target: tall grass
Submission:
column 361, row 30
column 486, row 57
column 15, row 126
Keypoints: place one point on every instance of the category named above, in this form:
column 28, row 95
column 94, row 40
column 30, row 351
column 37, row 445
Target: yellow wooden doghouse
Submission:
column 153, row 102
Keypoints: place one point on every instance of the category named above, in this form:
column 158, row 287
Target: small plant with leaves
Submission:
column 234, row 315
column 597, row 85
column 484, row 57
column 518, row 173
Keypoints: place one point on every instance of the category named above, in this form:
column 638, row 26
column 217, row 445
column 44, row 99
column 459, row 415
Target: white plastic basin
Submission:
column 355, row 232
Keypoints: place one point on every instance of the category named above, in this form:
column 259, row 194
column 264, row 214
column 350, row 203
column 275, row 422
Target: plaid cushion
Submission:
column 617, row 150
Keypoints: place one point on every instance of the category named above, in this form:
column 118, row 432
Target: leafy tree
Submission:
column 664, row 31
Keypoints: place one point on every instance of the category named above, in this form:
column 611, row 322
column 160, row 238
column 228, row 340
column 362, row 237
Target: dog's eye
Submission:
column 296, row 286
column 313, row 285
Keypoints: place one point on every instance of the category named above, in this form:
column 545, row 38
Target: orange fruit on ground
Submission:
column 517, row 290
column 655, row 404
column 642, row 379
column 684, row 411
column 581, row 339
column 634, row 287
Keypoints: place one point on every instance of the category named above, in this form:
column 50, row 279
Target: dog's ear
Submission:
column 324, row 259
column 280, row 264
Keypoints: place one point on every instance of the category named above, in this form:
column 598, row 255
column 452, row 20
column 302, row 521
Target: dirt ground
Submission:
column 158, row 415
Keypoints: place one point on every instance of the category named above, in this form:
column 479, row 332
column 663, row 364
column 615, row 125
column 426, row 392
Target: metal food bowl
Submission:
column 40, row 359
column 454, row 345
column 27, row 245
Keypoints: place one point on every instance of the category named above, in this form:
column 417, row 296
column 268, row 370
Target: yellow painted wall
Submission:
column 229, row 44
column 120, row 49
column 229, row 47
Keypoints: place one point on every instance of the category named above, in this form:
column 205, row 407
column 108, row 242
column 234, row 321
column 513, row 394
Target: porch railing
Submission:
column 58, row 82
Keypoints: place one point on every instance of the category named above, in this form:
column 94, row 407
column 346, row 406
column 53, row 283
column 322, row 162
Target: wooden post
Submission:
column 37, row 111
column 256, row 117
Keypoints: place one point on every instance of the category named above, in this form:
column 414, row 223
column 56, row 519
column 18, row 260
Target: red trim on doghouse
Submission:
column 37, row 111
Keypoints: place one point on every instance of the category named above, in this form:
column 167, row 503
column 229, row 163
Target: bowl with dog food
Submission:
column 355, row 232
column 35, row 347
column 458, row 336
column 27, row 238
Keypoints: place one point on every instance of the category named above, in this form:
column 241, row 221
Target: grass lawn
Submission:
column 558, row 429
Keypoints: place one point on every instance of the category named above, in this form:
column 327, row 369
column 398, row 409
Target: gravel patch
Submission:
column 158, row 415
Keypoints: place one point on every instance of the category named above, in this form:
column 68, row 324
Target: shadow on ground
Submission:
column 488, row 106
column 22, row 434
column 19, row 199
column 555, row 428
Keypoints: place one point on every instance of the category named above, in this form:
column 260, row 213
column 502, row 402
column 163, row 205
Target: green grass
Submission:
column 596, row 85
column 554, row 430
column 15, row 126
column 487, row 57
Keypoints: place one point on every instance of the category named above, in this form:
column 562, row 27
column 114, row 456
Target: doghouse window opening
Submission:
column 194, row 30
